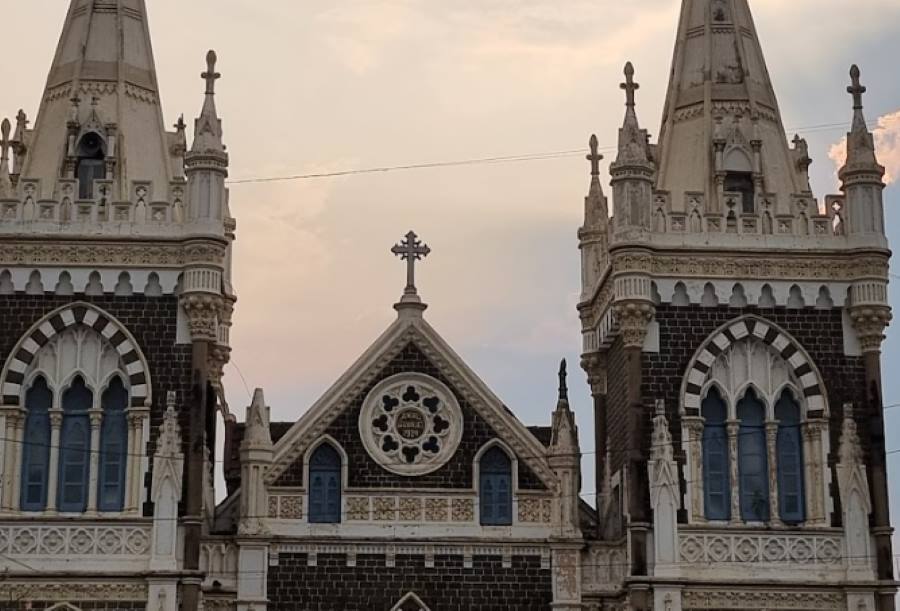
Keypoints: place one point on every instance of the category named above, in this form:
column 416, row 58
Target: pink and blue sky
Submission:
column 321, row 86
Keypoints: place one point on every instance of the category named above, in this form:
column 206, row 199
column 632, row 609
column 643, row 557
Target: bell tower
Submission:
column 115, row 248
column 729, row 312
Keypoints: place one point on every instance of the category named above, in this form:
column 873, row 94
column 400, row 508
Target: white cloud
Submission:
column 887, row 147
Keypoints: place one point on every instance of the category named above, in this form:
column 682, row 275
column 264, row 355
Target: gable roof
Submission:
column 404, row 331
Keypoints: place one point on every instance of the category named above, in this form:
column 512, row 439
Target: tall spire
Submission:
column 104, row 52
column 721, row 114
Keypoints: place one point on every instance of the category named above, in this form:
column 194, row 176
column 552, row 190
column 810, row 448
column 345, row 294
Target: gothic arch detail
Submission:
column 410, row 602
column 61, row 320
column 779, row 344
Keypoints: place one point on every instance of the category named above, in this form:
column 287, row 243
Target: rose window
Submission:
column 411, row 424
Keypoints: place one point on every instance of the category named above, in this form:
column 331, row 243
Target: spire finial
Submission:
column 629, row 85
column 563, row 387
column 211, row 76
column 856, row 89
column 411, row 249
column 594, row 157
column 5, row 142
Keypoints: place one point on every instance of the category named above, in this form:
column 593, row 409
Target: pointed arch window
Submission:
column 716, row 484
column 75, row 447
column 325, row 485
column 789, row 450
column 113, row 447
column 495, row 488
column 753, row 468
column 36, row 451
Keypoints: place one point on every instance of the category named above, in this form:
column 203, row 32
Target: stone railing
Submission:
column 770, row 549
column 77, row 546
column 604, row 567
column 219, row 561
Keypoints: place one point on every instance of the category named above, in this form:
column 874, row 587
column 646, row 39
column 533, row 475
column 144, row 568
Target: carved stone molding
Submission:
column 111, row 254
column 594, row 365
column 74, row 541
column 737, row 599
column 65, row 591
column 633, row 318
column 203, row 315
column 870, row 323
column 773, row 549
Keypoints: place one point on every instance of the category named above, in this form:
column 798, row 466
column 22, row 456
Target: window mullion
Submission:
column 96, row 416
column 734, row 427
column 56, row 421
column 772, row 451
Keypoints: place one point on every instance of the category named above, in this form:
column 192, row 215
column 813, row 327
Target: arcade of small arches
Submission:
column 755, row 429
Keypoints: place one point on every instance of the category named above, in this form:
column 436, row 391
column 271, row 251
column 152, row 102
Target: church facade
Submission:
column 732, row 325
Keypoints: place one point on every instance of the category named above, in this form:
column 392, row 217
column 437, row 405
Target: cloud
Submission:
column 887, row 147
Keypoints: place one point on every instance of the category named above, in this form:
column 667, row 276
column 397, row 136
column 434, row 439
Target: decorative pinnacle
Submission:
column 411, row 250
column 856, row 89
column 563, row 387
column 180, row 126
column 595, row 157
column 629, row 85
column 211, row 76
column 5, row 129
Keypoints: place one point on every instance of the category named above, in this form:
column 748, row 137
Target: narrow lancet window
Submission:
column 36, row 452
column 495, row 488
column 716, row 485
column 325, row 485
column 790, row 460
column 752, row 459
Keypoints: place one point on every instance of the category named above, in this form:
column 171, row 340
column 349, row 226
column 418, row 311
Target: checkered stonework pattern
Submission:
column 59, row 321
column 766, row 332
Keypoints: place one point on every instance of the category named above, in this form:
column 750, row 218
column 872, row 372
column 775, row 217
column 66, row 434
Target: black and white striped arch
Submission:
column 13, row 374
column 803, row 368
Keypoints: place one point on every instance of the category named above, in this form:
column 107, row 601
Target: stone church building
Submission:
column 732, row 325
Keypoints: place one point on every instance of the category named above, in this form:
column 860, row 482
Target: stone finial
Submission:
column 563, row 386
column 5, row 142
column 629, row 85
column 411, row 249
column 856, row 88
column 256, row 431
column 594, row 157
column 211, row 76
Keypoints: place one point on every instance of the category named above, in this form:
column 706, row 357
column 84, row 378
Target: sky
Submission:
column 322, row 86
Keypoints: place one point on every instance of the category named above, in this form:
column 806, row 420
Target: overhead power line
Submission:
column 483, row 160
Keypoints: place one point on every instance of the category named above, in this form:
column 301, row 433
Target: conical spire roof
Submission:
column 103, row 77
column 720, row 91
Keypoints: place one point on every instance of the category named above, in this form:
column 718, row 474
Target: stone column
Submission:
column 772, row 454
column 692, row 427
column 814, row 459
column 734, row 428
column 869, row 321
column 96, row 416
column 594, row 364
column 11, row 450
column 18, row 448
column 633, row 317
column 56, row 419
column 202, row 309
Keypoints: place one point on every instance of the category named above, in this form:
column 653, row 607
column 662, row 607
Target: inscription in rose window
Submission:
column 411, row 424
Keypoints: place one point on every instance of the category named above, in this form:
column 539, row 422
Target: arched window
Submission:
column 789, row 450
column 716, row 484
column 325, row 485
column 91, row 164
column 753, row 467
column 113, row 447
column 495, row 487
column 75, row 447
column 36, row 453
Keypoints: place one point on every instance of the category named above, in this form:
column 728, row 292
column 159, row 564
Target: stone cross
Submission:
column 595, row 157
column 856, row 89
column 629, row 85
column 411, row 250
column 211, row 76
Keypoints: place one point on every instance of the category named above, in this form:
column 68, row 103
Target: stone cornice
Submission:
column 103, row 253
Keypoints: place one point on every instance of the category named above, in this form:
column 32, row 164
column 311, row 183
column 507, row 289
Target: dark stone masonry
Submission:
column 373, row 586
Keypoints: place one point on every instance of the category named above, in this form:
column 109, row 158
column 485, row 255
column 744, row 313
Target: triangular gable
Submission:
column 370, row 366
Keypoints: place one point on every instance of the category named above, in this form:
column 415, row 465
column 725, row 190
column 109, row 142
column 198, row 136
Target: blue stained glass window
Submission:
column 716, row 478
column 325, row 485
column 36, row 452
column 113, row 447
column 752, row 459
column 789, row 449
column 495, row 487
column 75, row 447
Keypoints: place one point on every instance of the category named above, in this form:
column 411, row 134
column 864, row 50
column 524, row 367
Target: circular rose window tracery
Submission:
column 410, row 424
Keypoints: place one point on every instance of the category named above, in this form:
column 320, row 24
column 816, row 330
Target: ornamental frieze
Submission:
column 775, row 267
column 99, row 254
